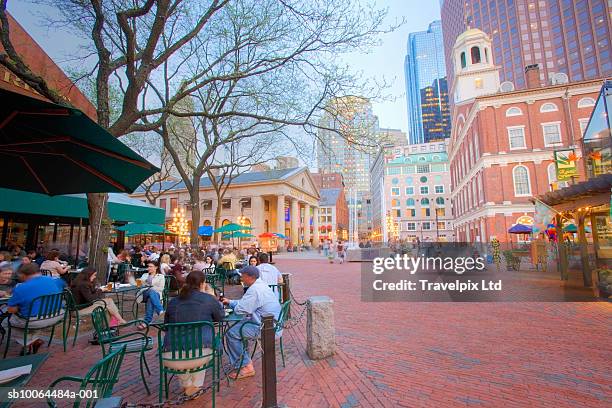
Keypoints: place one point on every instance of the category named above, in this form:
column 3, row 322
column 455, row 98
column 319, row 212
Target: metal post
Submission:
column 287, row 291
column 268, row 362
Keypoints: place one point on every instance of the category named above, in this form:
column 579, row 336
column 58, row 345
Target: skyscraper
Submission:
column 435, row 113
column 347, row 141
column 571, row 37
column 424, row 65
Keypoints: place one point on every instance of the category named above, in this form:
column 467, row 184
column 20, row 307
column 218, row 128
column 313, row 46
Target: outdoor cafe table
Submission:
column 121, row 290
column 36, row 360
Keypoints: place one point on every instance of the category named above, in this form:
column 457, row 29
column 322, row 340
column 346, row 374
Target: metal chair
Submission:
column 46, row 309
column 46, row 272
column 72, row 307
column 184, row 343
column 170, row 283
column 278, row 289
column 278, row 327
column 135, row 342
column 99, row 380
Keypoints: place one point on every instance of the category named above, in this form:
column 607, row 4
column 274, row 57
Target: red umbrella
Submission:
column 266, row 235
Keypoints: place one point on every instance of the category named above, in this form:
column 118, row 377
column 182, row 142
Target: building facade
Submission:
column 394, row 137
column 348, row 136
column 333, row 214
column 427, row 101
column 503, row 144
column 281, row 200
column 328, row 180
column 571, row 37
column 413, row 186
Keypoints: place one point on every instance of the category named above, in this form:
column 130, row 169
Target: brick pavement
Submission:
column 414, row 354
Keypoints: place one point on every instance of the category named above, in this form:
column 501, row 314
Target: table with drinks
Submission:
column 122, row 289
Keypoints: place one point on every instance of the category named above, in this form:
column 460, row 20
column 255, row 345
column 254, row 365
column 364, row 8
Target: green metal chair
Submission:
column 184, row 343
column 282, row 318
column 73, row 308
column 170, row 283
column 50, row 309
column 99, row 380
column 217, row 281
column 279, row 289
column 135, row 342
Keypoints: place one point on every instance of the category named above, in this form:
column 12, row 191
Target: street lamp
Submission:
column 179, row 223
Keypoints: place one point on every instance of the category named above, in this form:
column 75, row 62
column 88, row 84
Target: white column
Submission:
column 280, row 218
column 307, row 224
column 315, row 226
column 295, row 222
column 257, row 211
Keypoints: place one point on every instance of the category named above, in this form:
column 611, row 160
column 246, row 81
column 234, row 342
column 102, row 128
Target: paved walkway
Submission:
column 414, row 354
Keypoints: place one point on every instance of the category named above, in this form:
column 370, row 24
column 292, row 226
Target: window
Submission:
column 162, row 203
column 423, row 168
column 173, row 204
column 520, row 177
column 440, row 201
column 441, row 225
column 395, row 191
column 423, row 179
column 395, row 203
column 410, row 202
column 463, row 63
column 411, row 213
column 548, row 107
column 514, row 112
column 245, row 203
column 409, row 190
column 226, row 204
column 411, row 226
column 475, row 54
column 478, row 83
column 440, row 212
column 439, row 189
column 425, row 202
column 425, row 212
column 552, row 177
column 395, row 180
column 207, row 205
column 426, row 226
column 424, row 190
column 516, row 137
column 409, row 181
column 586, row 102
column 552, row 133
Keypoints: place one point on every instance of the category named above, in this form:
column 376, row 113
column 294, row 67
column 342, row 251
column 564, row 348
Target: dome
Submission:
column 472, row 32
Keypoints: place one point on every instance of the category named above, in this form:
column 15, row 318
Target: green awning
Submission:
column 121, row 208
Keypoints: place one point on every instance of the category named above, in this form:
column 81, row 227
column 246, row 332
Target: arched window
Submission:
column 552, row 173
column 440, row 201
column 207, row 223
column 410, row 202
column 409, row 181
column 586, row 102
column 548, row 107
column 435, row 158
column 463, row 63
column 423, row 179
column 225, row 222
column 520, row 177
column 475, row 53
column 422, row 158
column 395, row 180
column 514, row 112
column 425, row 201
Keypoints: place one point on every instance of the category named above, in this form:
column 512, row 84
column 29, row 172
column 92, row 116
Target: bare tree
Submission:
column 125, row 44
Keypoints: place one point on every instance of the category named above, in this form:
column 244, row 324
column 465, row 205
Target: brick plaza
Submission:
column 409, row 354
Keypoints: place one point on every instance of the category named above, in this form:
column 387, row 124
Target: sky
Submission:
column 383, row 62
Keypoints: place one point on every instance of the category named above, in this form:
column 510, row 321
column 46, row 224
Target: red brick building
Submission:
column 503, row 141
column 328, row 180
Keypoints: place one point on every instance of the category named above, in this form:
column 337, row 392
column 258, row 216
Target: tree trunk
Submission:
column 99, row 233
column 195, row 212
column 218, row 219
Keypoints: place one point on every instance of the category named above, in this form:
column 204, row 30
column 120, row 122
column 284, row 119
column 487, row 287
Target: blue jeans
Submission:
column 153, row 305
column 235, row 350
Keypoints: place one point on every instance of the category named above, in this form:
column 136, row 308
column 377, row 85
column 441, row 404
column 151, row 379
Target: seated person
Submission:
column 228, row 262
column 268, row 272
column 53, row 265
column 85, row 290
column 195, row 302
column 253, row 261
column 152, row 296
column 7, row 281
column 257, row 300
column 176, row 270
column 34, row 285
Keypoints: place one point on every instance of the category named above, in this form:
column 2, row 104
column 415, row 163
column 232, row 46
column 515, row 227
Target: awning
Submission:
column 121, row 208
column 589, row 188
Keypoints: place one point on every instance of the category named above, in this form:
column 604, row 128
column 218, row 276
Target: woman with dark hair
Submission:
column 53, row 264
column 195, row 302
column 151, row 296
column 85, row 291
column 253, row 260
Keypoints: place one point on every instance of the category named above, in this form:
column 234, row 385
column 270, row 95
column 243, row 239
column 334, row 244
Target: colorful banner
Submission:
column 565, row 161
column 542, row 217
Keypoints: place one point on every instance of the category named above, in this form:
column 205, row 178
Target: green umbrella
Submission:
column 53, row 149
column 231, row 227
column 135, row 229
column 238, row 234
column 573, row 229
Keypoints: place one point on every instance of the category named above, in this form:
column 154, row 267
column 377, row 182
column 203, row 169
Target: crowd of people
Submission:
column 21, row 279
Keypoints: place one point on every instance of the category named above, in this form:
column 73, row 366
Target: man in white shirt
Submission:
column 268, row 272
column 257, row 301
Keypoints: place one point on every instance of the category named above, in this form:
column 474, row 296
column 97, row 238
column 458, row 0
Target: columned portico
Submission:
column 307, row 224
column 295, row 222
column 280, row 218
column 315, row 227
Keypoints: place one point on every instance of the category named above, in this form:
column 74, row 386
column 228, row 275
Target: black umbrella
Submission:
column 53, row 149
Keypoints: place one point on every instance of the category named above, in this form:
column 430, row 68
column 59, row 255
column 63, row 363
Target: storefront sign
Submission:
column 565, row 161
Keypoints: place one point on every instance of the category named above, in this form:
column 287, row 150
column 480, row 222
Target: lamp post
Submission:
column 179, row 223
column 242, row 222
